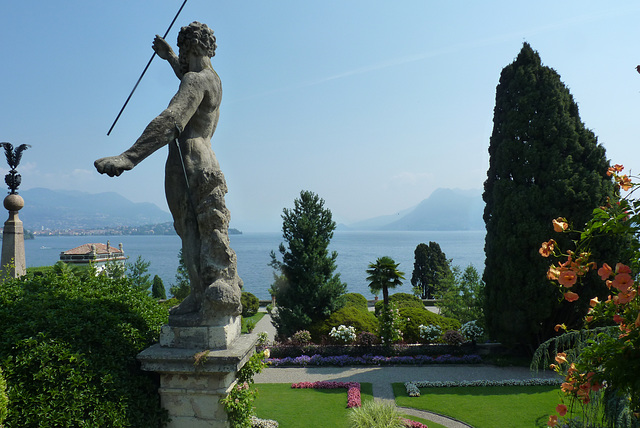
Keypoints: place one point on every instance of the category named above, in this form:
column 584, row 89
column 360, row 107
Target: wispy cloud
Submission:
column 522, row 34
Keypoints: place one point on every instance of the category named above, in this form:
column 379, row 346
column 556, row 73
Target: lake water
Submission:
column 355, row 251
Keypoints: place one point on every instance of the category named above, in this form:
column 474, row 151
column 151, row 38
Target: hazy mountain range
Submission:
column 64, row 209
column 444, row 209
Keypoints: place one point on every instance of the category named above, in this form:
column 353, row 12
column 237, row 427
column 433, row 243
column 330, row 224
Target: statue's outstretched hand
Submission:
column 162, row 48
column 113, row 165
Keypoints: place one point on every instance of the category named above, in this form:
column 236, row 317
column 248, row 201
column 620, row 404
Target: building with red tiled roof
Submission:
column 97, row 254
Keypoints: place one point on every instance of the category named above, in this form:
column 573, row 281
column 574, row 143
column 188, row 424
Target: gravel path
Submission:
column 382, row 377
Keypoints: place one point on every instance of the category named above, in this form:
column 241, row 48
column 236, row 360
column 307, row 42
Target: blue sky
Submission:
column 370, row 104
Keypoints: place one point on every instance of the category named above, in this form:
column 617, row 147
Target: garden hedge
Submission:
column 356, row 300
column 250, row 304
column 422, row 316
column 68, row 350
column 401, row 300
column 348, row 316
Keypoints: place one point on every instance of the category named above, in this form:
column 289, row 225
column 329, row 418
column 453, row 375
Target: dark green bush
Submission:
column 250, row 304
column 401, row 300
column 356, row 300
column 418, row 316
column 68, row 349
column 349, row 316
column 4, row 401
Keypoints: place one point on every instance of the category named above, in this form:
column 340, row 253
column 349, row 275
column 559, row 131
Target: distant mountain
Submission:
column 61, row 209
column 444, row 209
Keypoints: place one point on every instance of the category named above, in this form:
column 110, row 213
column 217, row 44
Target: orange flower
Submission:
column 620, row 268
column 625, row 183
column 622, row 282
column 567, row 278
column 617, row 319
column 567, row 387
column 614, row 169
column 560, row 224
column 561, row 358
column 553, row 421
column 624, row 297
column 547, row 248
column 553, row 273
column 561, row 409
column 594, row 302
column 605, row 271
column 571, row 296
column 560, row 326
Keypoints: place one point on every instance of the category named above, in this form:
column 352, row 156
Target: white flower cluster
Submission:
column 263, row 423
column 429, row 333
column 343, row 334
column 413, row 388
column 471, row 330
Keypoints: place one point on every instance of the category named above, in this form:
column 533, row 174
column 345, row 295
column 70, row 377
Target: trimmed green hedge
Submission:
column 349, row 316
column 250, row 304
column 68, row 350
column 4, row 400
column 418, row 316
column 402, row 300
column 356, row 300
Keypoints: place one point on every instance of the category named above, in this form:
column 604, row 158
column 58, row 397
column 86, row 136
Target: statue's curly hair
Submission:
column 199, row 37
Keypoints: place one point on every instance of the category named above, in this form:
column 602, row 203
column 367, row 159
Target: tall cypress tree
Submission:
column 544, row 163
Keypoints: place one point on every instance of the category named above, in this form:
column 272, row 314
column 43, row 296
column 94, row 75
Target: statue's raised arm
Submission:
column 194, row 185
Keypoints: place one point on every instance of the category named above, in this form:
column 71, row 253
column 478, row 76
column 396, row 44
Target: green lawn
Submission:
column 255, row 318
column 312, row 408
column 486, row 407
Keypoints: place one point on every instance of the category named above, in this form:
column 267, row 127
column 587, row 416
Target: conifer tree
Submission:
column 157, row 290
column 544, row 163
column 306, row 287
column 429, row 267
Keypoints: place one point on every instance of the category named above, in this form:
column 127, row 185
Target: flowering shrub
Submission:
column 301, row 337
column 471, row 330
column 390, row 325
column 366, row 339
column 610, row 359
column 343, row 334
column 378, row 360
column 353, row 389
column 413, row 388
column 430, row 333
column 453, row 338
column 238, row 403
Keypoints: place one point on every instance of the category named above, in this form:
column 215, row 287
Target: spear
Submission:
column 145, row 69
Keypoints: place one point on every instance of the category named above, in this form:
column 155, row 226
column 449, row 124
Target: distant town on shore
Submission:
column 149, row 229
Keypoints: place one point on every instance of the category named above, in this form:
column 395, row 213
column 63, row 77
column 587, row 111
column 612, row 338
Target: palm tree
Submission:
column 384, row 274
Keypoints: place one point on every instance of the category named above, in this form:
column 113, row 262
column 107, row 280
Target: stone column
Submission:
column 197, row 367
column 13, row 260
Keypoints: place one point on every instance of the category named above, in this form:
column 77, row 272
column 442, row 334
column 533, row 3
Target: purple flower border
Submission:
column 376, row 360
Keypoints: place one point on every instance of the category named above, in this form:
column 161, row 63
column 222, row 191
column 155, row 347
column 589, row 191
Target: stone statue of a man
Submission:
column 194, row 184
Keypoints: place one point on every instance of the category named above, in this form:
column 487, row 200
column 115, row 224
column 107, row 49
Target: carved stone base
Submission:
column 209, row 337
column 192, row 382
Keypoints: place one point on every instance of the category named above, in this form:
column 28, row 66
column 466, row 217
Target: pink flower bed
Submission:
column 413, row 424
column 353, row 389
column 353, row 395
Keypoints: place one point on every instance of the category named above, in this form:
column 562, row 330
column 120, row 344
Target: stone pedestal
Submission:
column 220, row 336
column 13, row 261
column 193, row 379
